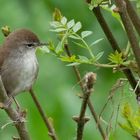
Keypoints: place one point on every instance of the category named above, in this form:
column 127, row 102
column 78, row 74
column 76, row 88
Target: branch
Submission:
column 115, row 46
column 129, row 29
column 106, row 29
column 133, row 15
column 79, row 79
column 89, row 80
column 51, row 130
column 15, row 115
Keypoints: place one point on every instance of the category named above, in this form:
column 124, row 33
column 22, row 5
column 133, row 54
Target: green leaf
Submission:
column 43, row 49
column 83, row 58
column 57, row 16
column 64, row 20
column 55, row 24
column 127, row 128
column 58, row 30
column 86, row 33
column 68, row 59
column 80, row 45
column 74, row 37
column 116, row 57
column 70, row 24
column 96, row 3
column 95, row 42
column 59, row 48
column 73, row 64
column 77, row 27
column 127, row 111
column 99, row 55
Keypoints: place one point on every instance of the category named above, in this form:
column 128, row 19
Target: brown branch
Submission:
column 129, row 29
column 79, row 79
column 115, row 46
column 88, row 81
column 14, row 115
column 133, row 15
column 106, row 29
column 51, row 131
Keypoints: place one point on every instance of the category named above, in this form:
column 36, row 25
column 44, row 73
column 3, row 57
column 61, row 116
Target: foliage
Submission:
column 95, row 3
column 132, row 120
column 116, row 58
column 69, row 30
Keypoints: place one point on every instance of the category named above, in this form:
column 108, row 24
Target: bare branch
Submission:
column 89, row 80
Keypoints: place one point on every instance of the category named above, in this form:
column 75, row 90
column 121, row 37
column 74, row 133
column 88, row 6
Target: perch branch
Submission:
column 51, row 130
column 79, row 79
column 15, row 115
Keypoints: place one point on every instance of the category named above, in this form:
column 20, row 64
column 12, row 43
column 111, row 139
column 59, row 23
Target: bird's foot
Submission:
column 6, row 104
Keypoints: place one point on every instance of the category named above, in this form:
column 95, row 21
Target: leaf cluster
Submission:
column 70, row 31
column 132, row 120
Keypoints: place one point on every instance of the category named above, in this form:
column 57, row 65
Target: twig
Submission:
column 133, row 15
column 51, row 131
column 129, row 29
column 79, row 79
column 97, row 120
column 89, row 80
column 15, row 115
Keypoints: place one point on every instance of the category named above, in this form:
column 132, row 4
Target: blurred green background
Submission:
column 56, row 86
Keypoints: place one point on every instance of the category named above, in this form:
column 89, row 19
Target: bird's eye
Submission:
column 30, row 45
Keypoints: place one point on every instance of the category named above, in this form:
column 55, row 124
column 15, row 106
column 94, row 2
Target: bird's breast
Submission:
column 19, row 73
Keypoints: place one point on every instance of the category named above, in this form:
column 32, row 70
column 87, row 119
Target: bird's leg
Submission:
column 22, row 113
column 17, row 104
column 8, row 103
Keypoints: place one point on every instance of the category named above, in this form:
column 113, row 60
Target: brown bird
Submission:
column 18, row 62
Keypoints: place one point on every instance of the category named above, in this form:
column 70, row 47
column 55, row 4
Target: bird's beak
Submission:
column 42, row 44
column 43, row 47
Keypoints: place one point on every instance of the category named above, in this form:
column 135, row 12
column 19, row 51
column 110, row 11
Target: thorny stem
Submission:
column 90, row 105
column 15, row 115
column 51, row 130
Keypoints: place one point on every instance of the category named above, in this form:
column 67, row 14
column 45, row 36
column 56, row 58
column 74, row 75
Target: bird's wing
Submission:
column 3, row 55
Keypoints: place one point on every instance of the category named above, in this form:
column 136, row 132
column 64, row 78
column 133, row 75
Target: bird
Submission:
column 18, row 61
